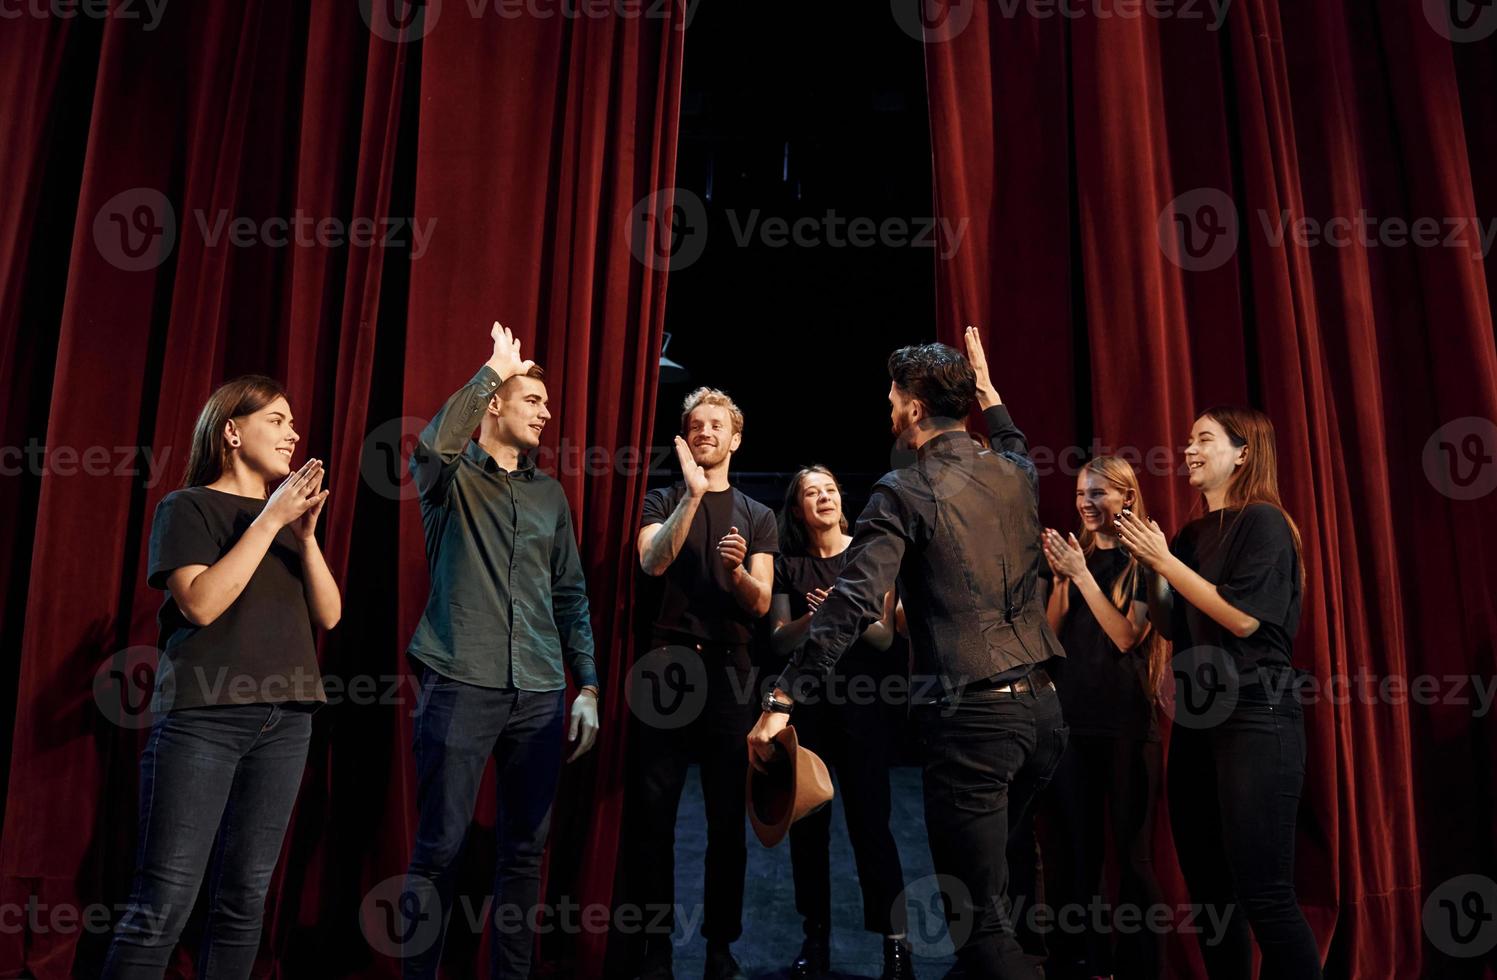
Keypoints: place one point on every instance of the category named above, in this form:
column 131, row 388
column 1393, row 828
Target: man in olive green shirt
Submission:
column 508, row 610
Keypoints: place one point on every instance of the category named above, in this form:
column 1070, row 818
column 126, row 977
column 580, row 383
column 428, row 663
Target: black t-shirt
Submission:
column 260, row 649
column 698, row 599
column 795, row 575
column 1103, row 690
column 1249, row 555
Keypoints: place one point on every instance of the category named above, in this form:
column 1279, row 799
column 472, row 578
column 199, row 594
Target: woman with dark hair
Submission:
column 847, row 724
column 1110, row 774
column 246, row 585
column 1227, row 592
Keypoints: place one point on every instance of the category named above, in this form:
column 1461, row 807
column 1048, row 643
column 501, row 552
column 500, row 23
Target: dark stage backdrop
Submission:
column 1126, row 179
column 520, row 146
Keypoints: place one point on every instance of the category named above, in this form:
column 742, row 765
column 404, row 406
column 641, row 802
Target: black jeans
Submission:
column 985, row 758
column 715, row 736
column 217, row 786
column 1234, row 793
column 458, row 727
column 851, row 730
column 1107, row 783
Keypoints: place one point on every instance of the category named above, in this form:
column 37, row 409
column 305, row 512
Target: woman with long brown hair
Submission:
column 847, row 723
column 246, row 585
column 1112, row 769
column 1227, row 591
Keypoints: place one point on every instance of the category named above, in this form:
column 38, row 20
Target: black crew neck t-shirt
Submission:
column 260, row 649
column 795, row 575
column 1249, row 555
column 1103, row 690
column 698, row 599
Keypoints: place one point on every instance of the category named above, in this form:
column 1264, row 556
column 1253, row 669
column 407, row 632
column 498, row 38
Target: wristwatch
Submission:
column 772, row 703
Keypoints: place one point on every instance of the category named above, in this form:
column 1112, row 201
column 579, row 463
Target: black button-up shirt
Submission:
column 508, row 604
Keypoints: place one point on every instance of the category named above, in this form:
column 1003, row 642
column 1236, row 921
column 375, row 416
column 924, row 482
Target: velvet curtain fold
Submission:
column 402, row 185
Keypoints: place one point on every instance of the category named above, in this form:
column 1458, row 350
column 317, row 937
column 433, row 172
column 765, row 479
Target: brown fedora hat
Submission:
column 796, row 784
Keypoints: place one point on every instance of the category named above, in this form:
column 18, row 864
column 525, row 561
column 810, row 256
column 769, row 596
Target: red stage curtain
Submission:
column 1065, row 139
column 520, row 144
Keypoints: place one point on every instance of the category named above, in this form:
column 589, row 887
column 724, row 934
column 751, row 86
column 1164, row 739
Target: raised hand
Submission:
column 1065, row 555
column 732, row 549
column 506, row 360
column 1146, row 542
column 695, row 477
column 987, row 395
column 294, row 497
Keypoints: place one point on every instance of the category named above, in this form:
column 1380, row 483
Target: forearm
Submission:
column 324, row 601
column 1119, row 629
column 216, row 587
column 1203, row 595
column 670, row 538
column 583, row 666
column 750, row 593
column 788, row 636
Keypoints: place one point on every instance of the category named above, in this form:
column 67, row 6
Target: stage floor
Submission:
column 772, row 929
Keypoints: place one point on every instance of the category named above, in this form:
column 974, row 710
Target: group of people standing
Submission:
column 1036, row 659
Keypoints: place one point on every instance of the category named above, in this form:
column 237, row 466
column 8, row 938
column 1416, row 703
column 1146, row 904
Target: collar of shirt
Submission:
column 479, row 455
column 946, row 443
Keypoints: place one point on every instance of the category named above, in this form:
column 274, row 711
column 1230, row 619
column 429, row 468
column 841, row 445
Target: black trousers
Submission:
column 1106, row 784
column 985, row 758
column 1234, row 793
column 709, row 724
column 852, row 731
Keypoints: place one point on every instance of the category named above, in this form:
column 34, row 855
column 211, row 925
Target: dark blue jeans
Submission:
column 1234, row 792
column 985, row 757
column 216, row 790
column 457, row 728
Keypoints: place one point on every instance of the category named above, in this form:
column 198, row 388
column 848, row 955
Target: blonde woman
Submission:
column 1109, row 778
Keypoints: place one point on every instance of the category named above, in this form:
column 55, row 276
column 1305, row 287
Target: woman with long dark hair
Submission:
column 1227, row 591
column 246, row 585
column 847, row 723
column 1110, row 775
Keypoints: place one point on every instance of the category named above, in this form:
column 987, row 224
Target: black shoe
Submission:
column 721, row 965
column 815, row 957
column 898, row 961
